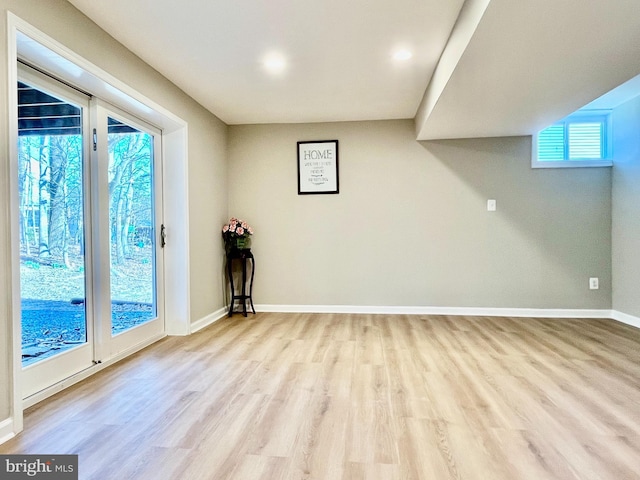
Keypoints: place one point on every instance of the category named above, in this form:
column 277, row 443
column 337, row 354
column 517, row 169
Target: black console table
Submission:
column 242, row 256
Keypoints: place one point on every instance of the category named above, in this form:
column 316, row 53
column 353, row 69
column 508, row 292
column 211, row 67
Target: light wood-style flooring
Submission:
column 329, row 396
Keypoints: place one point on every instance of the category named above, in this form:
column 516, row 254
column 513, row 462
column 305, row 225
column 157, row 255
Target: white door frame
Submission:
column 108, row 345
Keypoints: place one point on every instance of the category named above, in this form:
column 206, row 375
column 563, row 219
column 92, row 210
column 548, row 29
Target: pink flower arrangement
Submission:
column 234, row 230
column 236, row 227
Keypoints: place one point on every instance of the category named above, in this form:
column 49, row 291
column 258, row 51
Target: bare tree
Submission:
column 57, row 193
column 129, row 169
column 44, row 183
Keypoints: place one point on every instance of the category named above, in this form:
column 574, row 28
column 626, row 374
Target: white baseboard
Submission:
column 6, row 430
column 471, row 311
column 209, row 319
column 625, row 318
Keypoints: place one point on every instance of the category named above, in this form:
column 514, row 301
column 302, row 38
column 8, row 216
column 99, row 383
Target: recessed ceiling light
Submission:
column 275, row 63
column 402, row 55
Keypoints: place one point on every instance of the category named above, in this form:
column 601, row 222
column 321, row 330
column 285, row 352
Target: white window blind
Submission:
column 551, row 143
column 585, row 140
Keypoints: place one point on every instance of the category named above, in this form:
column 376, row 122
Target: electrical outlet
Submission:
column 594, row 283
column 491, row 205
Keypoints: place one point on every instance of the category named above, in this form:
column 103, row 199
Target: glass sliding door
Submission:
column 56, row 334
column 89, row 199
column 127, row 159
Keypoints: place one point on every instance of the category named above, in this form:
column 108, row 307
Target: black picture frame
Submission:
column 318, row 167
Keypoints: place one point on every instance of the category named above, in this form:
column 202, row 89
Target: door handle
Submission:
column 163, row 236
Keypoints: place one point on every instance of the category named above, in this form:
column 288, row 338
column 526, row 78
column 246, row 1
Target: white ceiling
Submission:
column 509, row 68
column 339, row 53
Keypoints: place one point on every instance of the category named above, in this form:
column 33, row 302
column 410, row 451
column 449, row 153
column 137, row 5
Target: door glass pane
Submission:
column 52, row 260
column 131, row 215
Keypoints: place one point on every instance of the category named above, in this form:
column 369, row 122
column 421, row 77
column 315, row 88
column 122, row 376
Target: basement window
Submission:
column 579, row 140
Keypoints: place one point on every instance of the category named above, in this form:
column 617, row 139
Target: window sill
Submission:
column 572, row 164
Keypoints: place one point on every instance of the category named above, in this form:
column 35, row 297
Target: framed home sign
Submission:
column 318, row 167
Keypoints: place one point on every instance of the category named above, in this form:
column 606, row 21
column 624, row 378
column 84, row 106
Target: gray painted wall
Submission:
column 206, row 144
column 626, row 208
column 410, row 225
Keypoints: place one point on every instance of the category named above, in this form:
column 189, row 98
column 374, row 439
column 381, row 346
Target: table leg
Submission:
column 244, row 286
column 230, row 273
column 253, row 268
